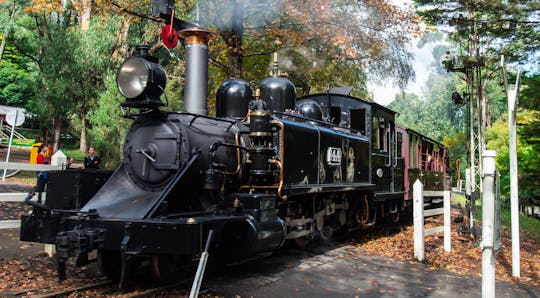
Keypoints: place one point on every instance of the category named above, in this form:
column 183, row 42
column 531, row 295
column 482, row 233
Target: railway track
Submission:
column 105, row 288
column 46, row 292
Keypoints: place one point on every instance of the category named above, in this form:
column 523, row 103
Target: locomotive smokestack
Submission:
column 196, row 87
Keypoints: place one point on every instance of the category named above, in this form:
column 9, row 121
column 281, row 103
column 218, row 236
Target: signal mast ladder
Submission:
column 418, row 218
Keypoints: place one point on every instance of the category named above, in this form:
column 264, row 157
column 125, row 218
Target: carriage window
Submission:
column 358, row 120
column 335, row 115
column 427, row 155
column 399, row 142
column 413, row 150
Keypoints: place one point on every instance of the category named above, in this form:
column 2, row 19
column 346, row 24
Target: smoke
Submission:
column 255, row 13
column 286, row 63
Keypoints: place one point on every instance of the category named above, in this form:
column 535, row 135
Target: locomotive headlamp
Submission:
column 141, row 80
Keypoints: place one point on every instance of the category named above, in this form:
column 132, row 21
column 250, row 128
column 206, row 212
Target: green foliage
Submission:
column 108, row 126
column 436, row 116
column 528, row 157
column 457, row 150
column 529, row 95
column 16, row 85
column 73, row 153
column 502, row 27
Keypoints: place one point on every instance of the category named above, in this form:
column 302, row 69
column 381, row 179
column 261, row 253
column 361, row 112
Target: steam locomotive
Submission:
column 268, row 168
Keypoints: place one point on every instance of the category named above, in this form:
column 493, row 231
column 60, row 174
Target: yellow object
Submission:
column 34, row 152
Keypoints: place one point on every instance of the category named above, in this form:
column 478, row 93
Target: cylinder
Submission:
column 260, row 124
column 196, row 75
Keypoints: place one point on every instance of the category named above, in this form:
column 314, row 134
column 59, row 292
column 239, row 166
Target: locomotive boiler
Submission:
column 268, row 168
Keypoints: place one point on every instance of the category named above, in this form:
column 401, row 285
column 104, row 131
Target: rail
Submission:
column 6, row 131
column 29, row 167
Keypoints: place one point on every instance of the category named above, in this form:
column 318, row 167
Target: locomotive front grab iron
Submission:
column 269, row 168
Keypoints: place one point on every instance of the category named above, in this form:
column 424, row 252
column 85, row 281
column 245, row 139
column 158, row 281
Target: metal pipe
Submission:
column 282, row 157
column 196, row 73
column 280, row 184
column 200, row 269
column 238, row 156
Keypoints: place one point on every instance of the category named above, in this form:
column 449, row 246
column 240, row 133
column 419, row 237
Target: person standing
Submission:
column 41, row 176
column 91, row 161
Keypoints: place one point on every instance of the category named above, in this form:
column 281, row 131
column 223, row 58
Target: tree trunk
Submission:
column 84, row 123
column 57, row 128
column 43, row 133
column 121, row 46
column 85, row 14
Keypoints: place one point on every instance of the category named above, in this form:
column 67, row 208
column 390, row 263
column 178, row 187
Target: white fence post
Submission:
column 468, row 192
column 418, row 220
column 488, row 224
column 447, row 220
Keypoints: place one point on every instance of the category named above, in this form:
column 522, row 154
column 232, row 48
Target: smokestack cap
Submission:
column 196, row 36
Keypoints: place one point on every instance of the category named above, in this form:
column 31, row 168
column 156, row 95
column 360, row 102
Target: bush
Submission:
column 108, row 126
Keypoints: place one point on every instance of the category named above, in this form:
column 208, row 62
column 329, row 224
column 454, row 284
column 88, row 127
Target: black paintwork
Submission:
column 184, row 175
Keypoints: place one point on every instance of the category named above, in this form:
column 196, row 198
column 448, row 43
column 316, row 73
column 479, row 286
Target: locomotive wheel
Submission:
column 327, row 233
column 169, row 268
column 109, row 263
column 390, row 217
column 301, row 242
column 393, row 217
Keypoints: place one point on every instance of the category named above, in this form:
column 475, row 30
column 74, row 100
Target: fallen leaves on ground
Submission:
column 13, row 210
column 396, row 242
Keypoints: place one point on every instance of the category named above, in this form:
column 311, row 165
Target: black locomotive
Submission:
column 269, row 168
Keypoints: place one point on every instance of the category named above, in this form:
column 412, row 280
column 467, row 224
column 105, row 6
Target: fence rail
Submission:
column 29, row 167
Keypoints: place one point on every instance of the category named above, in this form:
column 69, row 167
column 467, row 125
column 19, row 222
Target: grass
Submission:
column 74, row 153
column 528, row 226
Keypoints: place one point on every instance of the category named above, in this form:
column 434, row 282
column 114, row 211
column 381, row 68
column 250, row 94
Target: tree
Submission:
column 485, row 30
column 528, row 157
column 361, row 35
column 501, row 27
column 92, row 60
column 12, row 9
column 435, row 114
column 108, row 126
column 16, row 82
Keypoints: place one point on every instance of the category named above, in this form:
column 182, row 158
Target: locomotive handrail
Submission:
column 195, row 116
column 28, row 200
column 324, row 123
column 387, row 136
column 213, row 149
